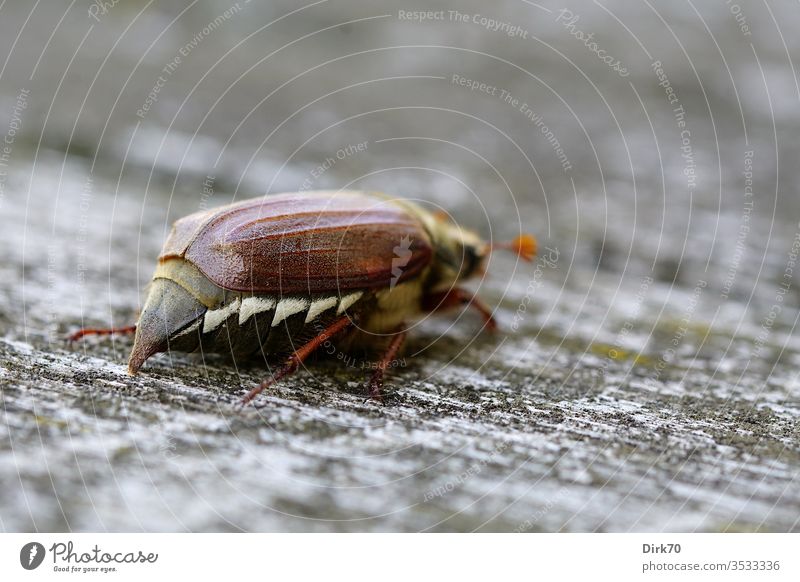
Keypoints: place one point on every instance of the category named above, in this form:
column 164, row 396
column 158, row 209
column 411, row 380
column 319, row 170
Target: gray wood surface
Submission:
column 637, row 383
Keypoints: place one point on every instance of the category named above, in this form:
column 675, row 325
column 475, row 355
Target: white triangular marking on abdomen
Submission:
column 348, row 300
column 217, row 317
column 287, row 307
column 254, row 305
column 319, row 306
column 190, row 329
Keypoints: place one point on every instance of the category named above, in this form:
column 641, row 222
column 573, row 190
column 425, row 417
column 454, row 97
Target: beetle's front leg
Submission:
column 130, row 329
column 376, row 382
column 292, row 364
column 456, row 297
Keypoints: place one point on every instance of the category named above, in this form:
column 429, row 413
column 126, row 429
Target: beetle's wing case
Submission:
column 304, row 243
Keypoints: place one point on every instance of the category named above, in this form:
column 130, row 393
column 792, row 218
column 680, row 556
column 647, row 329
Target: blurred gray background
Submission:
column 645, row 374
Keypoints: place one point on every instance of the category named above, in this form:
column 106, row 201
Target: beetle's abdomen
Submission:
column 245, row 325
column 186, row 312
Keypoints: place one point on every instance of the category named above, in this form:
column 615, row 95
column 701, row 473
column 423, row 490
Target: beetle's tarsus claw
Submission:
column 291, row 366
column 375, row 385
column 257, row 390
column 73, row 337
column 374, row 396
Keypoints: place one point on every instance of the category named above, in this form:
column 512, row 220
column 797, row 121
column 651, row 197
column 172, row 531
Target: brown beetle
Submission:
column 284, row 274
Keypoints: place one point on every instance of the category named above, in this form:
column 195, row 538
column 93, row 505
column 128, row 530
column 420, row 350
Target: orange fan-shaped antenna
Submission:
column 524, row 246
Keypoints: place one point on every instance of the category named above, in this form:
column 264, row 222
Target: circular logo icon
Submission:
column 31, row 555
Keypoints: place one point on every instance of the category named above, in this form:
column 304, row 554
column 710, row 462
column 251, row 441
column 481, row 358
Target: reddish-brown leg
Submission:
column 456, row 297
column 99, row 331
column 299, row 356
column 376, row 382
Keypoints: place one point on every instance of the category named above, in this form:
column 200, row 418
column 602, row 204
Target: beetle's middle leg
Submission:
column 127, row 330
column 299, row 356
column 456, row 297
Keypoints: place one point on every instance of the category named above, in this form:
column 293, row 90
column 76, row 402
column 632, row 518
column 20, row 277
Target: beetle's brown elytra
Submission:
column 286, row 273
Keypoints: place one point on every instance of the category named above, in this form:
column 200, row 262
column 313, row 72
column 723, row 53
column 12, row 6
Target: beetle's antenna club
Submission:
column 524, row 246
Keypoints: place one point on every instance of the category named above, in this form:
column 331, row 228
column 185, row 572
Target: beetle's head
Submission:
column 462, row 253
column 168, row 312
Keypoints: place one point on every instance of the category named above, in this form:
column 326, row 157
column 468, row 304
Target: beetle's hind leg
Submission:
column 127, row 330
column 376, row 382
column 299, row 356
column 456, row 297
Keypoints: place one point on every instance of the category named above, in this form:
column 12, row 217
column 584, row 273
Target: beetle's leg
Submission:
column 455, row 297
column 100, row 331
column 299, row 356
column 376, row 382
